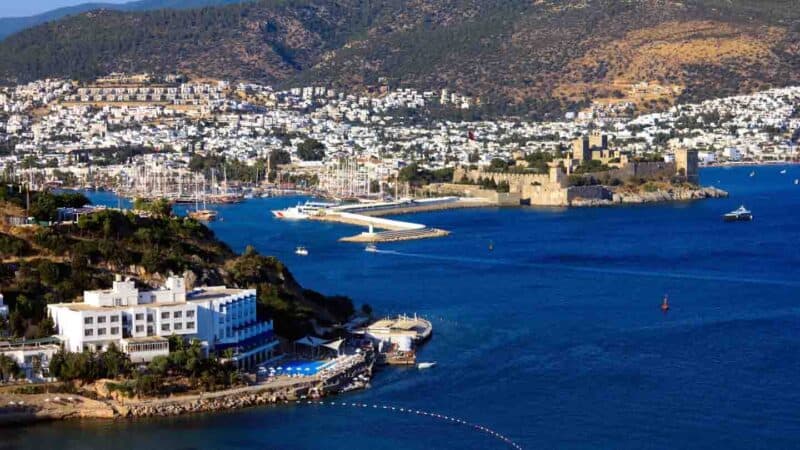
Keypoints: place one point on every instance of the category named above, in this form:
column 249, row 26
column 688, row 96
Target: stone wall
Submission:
column 516, row 181
column 645, row 170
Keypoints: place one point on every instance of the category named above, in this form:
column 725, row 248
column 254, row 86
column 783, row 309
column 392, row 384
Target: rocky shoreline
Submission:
column 21, row 409
column 657, row 196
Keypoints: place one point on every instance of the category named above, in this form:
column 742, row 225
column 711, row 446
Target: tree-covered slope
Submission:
column 11, row 25
column 519, row 55
column 42, row 265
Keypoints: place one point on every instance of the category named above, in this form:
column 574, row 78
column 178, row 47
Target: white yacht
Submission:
column 302, row 211
column 741, row 214
column 302, row 251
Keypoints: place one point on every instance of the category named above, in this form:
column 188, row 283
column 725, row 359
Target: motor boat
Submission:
column 371, row 248
column 741, row 214
column 302, row 251
column 425, row 365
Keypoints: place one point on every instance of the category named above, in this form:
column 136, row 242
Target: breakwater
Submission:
column 368, row 215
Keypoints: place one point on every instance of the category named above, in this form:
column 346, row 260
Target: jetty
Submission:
column 392, row 230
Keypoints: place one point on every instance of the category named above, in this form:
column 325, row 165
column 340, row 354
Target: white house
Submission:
column 139, row 322
column 32, row 356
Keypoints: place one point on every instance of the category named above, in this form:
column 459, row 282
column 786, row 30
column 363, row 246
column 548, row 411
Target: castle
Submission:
column 553, row 188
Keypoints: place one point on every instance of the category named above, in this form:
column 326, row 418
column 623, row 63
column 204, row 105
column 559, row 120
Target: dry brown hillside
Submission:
column 518, row 56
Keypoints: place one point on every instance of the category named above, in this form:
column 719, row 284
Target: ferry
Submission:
column 740, row 214
column 302, row 251
column 302, row 211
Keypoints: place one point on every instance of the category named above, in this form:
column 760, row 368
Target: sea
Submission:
column 553, row 338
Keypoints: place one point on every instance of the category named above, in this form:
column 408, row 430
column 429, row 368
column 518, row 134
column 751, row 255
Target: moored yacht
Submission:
column 203, row 215
column 302, row 211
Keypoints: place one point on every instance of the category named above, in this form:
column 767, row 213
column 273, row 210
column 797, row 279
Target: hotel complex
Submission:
column 139, row 322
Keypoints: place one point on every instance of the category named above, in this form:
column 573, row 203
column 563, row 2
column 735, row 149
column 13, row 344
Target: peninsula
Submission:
column 227, row 331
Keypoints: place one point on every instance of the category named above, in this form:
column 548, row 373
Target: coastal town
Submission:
column 167, row 136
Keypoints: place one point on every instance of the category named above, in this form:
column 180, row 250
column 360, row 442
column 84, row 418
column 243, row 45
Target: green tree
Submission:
column 311, row 150
column 9, row 369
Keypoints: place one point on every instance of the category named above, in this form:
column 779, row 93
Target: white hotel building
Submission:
column 139, row 322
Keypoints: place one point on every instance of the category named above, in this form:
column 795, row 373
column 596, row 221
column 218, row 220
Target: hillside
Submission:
column 518, row 56
column 11, row 25
column 41, row 265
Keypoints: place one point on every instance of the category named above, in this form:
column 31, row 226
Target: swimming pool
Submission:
column 297, row 367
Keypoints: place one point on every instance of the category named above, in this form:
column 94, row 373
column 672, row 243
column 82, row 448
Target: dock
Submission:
column 369, row 215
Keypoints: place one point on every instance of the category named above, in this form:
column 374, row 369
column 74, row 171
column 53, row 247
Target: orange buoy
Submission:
column 665, row 304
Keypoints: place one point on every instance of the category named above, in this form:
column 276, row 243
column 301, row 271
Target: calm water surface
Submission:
column 555, row 338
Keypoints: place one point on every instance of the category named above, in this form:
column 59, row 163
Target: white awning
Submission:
column 334, row 345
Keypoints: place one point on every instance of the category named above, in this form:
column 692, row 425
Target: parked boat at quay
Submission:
column 302, row 211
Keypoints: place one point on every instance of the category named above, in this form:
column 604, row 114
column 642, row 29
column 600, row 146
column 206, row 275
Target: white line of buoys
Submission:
column 418, row 412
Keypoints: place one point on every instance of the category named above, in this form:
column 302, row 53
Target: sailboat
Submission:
column 205, row 214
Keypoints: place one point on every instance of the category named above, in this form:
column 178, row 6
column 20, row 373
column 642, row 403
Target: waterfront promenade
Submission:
column 25, row 408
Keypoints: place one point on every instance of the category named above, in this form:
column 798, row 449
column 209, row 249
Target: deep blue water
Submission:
column 555, row 338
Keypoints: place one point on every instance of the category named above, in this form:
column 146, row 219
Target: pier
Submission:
column 368, row 215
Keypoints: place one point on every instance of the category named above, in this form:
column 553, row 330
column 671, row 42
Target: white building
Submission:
column 226, row 319
column 3, row 307
column 139, row 322
column 32, row 356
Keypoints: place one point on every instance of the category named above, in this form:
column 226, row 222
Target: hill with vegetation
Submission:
column 54, row 264
column 517, row 56
column 11, row 25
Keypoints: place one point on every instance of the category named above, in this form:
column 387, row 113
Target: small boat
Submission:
column 753, row 173
column 665, row 304
column 491, row 246
column 783, row 172
column 425, row 365
column 741, row 214
column 203, row 215
column 796, row 181
column 302, row 251
column 371, row 248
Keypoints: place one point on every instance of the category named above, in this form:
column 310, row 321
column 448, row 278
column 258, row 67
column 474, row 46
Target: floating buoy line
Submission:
column 416, row 412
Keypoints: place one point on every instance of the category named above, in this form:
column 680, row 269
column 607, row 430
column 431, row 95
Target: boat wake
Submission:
column 600, row 270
